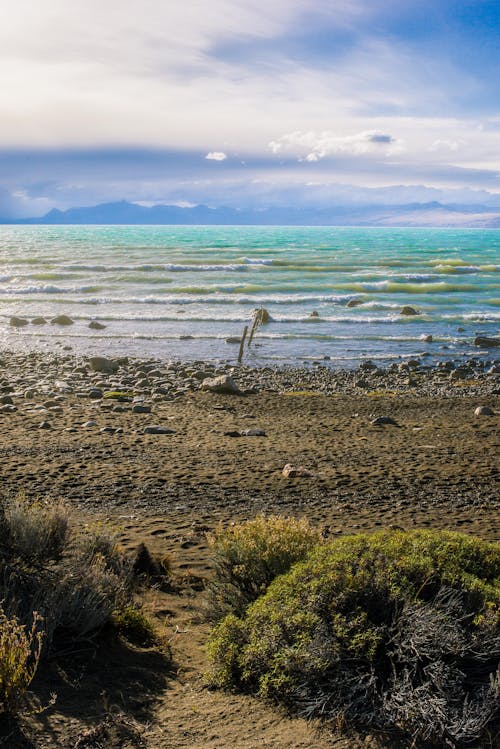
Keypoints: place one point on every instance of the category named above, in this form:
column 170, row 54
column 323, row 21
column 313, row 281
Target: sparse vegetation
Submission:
column 397, row 630
column 20, row 650
column 247, row 557
column 74, row 578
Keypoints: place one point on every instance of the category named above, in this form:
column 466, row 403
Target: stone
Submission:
column 39, row 321
column 486, row 342
column 484, row 411
column 89, row 424
column 253, row 433
column 95, row 393
column 291, row 472
column 141, row 408
column 45, row 425
column 407, row 310
column 102, row 364
column 314, row 313
column 156, row 429
column 233, row 339
column 426, row 337
column 6, row 400
column 18, row 322
column 221, row 384
column 107, row 430
column 8, row 408
column 94, row 325
column 384, row 420
column 61, row 320
column 354, row 303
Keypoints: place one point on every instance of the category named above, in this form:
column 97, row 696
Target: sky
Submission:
column 248, row 103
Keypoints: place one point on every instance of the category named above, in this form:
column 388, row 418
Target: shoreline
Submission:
column 83, row 435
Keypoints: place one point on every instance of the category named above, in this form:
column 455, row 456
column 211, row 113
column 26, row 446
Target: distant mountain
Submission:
column 411, row 214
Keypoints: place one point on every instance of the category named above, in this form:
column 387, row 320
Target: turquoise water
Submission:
column 179, row 292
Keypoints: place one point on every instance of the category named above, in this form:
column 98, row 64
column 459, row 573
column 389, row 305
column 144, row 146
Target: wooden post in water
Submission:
column 242, row 343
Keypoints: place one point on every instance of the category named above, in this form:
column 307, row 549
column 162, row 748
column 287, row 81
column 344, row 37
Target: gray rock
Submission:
column 8, row 408
column 427, row 338
column 253, row 433
column 156, row 429
column 354, row 303
column 6, row 400
column 102, row 364
column 141, row 408
column 95, row 393
column 89, row 424
column 94, row 325
column 484, row 411
column 61, row 320
column 45, row 425
column 407, row 310
column 221, row 384
column 39, row 321
column 384, row 420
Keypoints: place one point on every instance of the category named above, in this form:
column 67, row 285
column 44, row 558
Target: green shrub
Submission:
column 35, row 531
column 247, row 557
column 19, row 655
column 393, row 630
column 134, row 625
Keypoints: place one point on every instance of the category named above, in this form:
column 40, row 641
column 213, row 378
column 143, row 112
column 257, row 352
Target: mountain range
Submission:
column 411, row 215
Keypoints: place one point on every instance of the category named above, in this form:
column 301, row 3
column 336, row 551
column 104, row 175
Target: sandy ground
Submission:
column 437, row 468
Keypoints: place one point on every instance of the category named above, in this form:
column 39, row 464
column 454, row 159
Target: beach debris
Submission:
column 102, row 364
column 157, row 429
column 18, row 322
column 354, row 303
column 62, row 320
column 94, row 325
column 245, row 433
column 221, row 384
column 486, row 342
column 39, row 321
column 380, row 421
column 291, row 472
column 260, row 317
column 407, row 310
column 426, row 337
column 242, row 344
column 484, row 411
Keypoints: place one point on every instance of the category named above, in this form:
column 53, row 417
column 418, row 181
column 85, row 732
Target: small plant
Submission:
column 35, row 531
column 398, row 630
column 20, row 651
column 118, row 395
column 134, row 625
column 247, row 557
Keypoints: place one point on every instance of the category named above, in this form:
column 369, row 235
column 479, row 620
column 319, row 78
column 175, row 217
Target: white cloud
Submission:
column 311, row 146
column 216, row 156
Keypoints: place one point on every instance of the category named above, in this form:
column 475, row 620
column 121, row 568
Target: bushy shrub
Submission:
column 134, row 625
column 247, row 557
column 36, row 531
column 19, row 655
column 394, row 630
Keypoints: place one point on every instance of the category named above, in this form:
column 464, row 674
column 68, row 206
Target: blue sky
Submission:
column 295, row 102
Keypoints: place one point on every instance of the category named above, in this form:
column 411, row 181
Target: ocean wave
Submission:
column 48, row 289
column 389, row 286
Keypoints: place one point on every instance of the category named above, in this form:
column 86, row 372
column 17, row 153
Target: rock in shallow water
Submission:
column 61, row 320
column 18, row 322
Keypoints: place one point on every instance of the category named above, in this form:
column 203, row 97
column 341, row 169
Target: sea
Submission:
column 187, row 292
